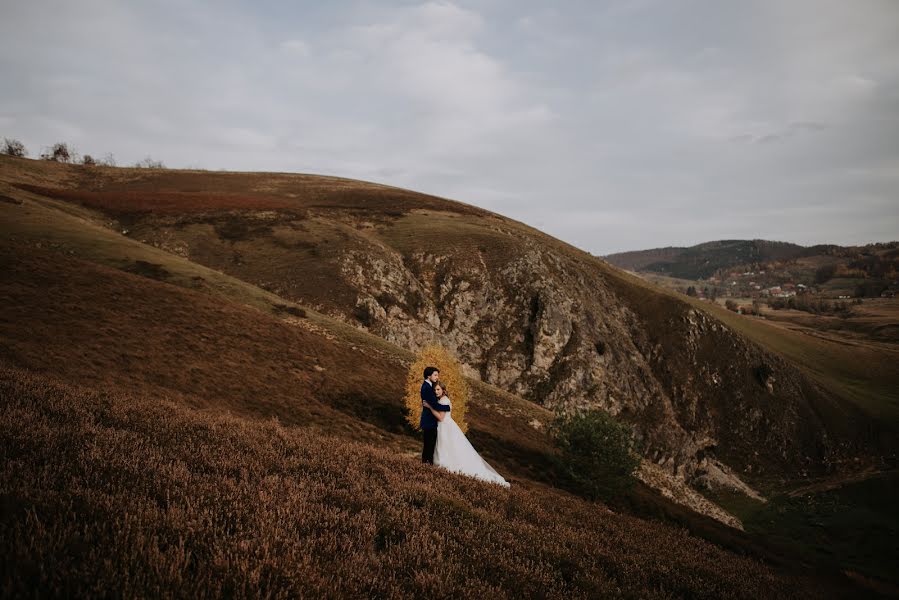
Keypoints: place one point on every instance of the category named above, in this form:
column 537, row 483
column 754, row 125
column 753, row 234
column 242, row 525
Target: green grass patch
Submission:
column 739, row 505
column 854, row 527
column 866, row 375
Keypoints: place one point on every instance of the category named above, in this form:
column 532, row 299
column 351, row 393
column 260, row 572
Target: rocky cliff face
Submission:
column 556, row 328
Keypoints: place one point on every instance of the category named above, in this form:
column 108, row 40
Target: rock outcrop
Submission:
column 706, row 404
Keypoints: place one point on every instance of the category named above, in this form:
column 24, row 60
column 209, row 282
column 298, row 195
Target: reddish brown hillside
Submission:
column 158, row 313
column 125, row 203
column 109, row 495
column 523, row 311
column 97, row 326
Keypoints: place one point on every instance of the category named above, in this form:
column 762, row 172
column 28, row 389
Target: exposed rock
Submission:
column 550, row 329
column 678, row 491
column 714, row 475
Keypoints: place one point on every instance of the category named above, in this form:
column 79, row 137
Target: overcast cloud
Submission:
column 615, row 125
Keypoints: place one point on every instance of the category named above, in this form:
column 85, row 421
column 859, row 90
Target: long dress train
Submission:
column 455, row 453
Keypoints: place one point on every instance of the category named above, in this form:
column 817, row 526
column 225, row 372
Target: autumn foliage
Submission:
column 450, row 376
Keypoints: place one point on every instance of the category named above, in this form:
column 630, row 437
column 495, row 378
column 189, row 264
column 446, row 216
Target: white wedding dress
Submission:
column 455, row 453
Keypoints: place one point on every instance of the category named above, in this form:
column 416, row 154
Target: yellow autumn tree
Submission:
column 450, row 375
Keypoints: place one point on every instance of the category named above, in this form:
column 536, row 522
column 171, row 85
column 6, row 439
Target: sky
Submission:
column 613, row 125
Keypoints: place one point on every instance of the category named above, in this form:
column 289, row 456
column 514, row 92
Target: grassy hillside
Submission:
column 101, row 310
column 93, row 325
column 853, row 527
column 408, row 267
column 102, row 327
column 146, row 494
column 278, row 242
column 865, row 373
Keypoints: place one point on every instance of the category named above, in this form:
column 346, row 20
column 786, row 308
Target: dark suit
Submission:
column 429, row 422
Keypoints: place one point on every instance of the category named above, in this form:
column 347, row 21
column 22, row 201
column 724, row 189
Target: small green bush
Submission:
column 597, row 455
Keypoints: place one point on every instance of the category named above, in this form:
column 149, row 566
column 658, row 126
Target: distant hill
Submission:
column 703, row 260
column 860, row 270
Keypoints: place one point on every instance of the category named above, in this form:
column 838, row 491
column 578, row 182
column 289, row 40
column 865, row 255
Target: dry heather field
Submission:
column 106, row 329
column 108, row 495
column 178, row 428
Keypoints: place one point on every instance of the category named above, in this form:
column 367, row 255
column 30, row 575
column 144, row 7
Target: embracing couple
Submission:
column 444, row 443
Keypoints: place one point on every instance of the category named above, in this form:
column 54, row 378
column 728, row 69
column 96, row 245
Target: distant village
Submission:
column 750, row 284
column 766, row 287
column 824, row 279
column 763, row 284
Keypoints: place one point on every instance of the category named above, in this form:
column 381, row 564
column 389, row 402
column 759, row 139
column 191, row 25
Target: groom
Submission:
column 428, row 421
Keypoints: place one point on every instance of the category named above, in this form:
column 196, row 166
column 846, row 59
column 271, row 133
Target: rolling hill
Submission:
column 858, row 270
column 524, row 312
column 302, row 298
column 703, row 260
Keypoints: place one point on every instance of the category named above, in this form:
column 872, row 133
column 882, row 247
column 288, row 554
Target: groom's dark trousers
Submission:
column 427, row 454
column 429, row 422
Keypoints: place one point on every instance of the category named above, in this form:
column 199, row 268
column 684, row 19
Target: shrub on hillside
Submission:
column 597, row 455
column 88, row 161
column 149, row 163
column 817, row 306
column 60, row 152
column 14, row 147
column 450, row 375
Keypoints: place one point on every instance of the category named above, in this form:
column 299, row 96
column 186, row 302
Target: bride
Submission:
column 454, row 452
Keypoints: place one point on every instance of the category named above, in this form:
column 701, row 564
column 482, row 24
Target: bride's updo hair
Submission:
column 442, row 387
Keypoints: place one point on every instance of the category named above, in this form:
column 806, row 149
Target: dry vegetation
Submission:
column 162, row 202
column 104, row 328
column 202, row 361
column 114, row 495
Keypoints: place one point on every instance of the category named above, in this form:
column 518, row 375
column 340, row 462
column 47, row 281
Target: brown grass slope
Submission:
column 330, row 243
column 860, row 369
column 848, row 423
column 118, row 495
column 98, row 326
column 214, row 342
column 93, row 325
